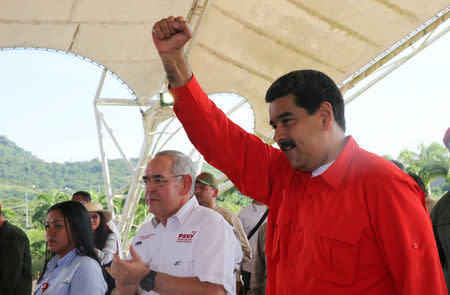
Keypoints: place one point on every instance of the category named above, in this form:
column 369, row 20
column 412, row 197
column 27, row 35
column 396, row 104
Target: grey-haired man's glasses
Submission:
column 157, row 180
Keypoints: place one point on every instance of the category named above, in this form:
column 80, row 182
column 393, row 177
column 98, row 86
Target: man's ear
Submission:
column 187, row 184
column 216, row 192
column 326, row 115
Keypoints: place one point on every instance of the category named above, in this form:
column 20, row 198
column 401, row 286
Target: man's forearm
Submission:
column 177, row 68
column 167, row 284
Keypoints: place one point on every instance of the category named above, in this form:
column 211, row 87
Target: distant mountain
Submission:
column 20, row 171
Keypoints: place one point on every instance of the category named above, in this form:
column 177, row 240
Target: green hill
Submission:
column 22, row 172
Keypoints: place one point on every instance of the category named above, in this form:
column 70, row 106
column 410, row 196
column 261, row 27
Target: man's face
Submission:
column 205, row 194
column 297, row 133
column 164, row 193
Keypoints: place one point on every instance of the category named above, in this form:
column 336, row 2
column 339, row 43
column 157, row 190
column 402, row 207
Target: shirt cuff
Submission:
column 175, row 89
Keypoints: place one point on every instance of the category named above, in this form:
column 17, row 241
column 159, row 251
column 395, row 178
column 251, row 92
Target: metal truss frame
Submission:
column 151, row 119
column 385, row 63
column 393, row 64
column 155, row 119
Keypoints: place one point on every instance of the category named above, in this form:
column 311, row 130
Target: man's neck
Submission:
column 211, row 205
column 336, row 144
column 163, row 219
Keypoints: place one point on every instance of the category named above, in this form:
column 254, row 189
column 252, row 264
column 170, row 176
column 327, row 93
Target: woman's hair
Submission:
column 76, row 217
column 102, row 232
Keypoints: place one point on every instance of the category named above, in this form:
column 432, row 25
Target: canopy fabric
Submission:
column 239, row 46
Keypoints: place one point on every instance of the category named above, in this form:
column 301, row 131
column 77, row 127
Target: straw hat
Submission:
column 97, row 207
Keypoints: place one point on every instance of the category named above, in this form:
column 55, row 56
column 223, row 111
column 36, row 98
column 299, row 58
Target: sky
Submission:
column 46, row 106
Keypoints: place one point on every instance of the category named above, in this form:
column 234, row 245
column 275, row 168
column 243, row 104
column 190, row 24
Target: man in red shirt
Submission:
column 341, row 220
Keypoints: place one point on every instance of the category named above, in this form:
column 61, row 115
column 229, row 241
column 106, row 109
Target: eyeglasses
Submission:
column 157, row 180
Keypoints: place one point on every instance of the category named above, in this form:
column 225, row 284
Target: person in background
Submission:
column 429, row 201
column 84, row 197
column 259, row 273
column 440, row 217
column 206, row 191
column 399, row 165
column 105, row 241
column 15, row 259
column 186, row 248
column 71, row 265
column 250, row 217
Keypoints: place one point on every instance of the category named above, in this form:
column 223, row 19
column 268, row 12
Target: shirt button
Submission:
column 415, row 246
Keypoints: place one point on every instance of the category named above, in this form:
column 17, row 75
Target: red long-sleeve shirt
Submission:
column 361, row 227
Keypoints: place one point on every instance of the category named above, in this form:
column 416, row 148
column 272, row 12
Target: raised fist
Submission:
column 171, row 34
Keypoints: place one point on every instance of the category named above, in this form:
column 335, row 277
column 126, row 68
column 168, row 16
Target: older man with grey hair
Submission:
column 185, row 248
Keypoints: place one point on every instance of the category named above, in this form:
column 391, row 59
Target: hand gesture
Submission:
column 128, row 272
column 170, row 35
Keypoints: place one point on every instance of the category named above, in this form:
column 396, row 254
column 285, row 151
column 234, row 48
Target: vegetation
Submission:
column 430, row 163
column 21, row 172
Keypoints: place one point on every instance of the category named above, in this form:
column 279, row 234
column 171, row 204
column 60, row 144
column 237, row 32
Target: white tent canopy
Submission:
column 239, row 46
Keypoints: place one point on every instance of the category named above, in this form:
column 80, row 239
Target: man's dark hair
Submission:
column 85, row 195
column 310, row 89
column 419, row 182
column 399, row 165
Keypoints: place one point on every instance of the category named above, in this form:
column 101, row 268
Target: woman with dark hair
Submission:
column 71, row 266
column 105, row 240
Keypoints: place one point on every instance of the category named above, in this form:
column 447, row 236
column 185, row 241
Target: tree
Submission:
column 37, row 249
column 44, row 202
column 233, row 200
column 431, row 162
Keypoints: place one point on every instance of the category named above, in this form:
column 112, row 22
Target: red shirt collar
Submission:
column 335, row 173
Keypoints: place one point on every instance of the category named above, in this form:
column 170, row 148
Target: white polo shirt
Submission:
column 196, row 242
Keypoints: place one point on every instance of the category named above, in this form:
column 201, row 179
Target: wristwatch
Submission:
column 148, row 282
